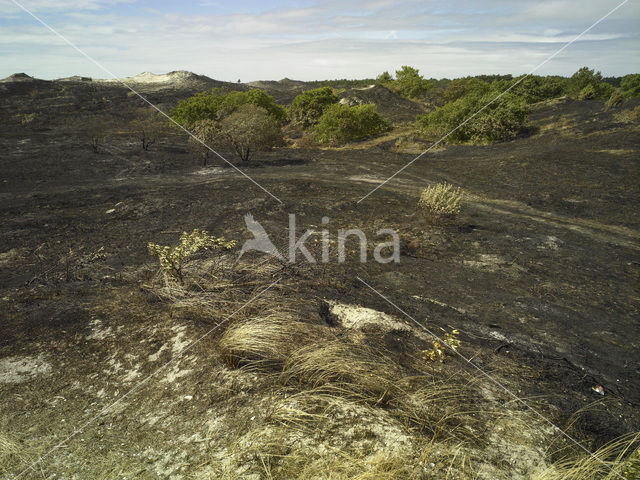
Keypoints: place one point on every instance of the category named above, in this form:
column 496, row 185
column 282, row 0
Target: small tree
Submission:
column 308, row 107
column 384, row 78
column 147, row 128
column 410, row 83
column 207, row 131
column 248, row 130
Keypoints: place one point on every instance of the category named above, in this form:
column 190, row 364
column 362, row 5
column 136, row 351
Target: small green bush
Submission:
column 502, row 120
column 308, row 107
column 342, row 123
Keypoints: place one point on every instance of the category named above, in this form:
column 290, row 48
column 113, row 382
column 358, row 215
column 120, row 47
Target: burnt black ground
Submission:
column 541, row 267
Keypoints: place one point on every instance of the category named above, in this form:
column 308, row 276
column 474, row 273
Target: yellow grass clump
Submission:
column 441, row 200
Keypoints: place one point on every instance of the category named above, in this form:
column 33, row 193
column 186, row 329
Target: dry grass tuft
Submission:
column 268, row 341
column 335, row 365
column 615, row 460
column 441, row 200
column 446, row 409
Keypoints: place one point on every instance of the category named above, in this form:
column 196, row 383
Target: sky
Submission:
column 316, row 40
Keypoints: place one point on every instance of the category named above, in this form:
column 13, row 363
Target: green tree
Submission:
column 248, row 130
column 410, row 83
column 384, row 78
column 217, row 104
column 586, row 83
column 307, row 107
column 342, row 123
column 201, row 106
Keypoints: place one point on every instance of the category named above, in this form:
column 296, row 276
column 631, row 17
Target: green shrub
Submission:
column 460, row 87
column 535, row 89
column 234, row 100
column 217, row 104
column 342, row 123
column 630, row 85
column 308, row 107
column 587, row 93
column 586, row 84
column 501, row 120
column 202, row 106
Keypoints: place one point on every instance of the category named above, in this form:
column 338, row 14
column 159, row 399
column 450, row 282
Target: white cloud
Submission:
column 323, row 40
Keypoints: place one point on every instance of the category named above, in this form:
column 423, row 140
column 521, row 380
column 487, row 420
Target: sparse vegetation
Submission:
column 172, row 259
column 95, row 133
column 441, row 200
column 148, row 127
column 207, row 132
column 341, row 123
column 440, row 350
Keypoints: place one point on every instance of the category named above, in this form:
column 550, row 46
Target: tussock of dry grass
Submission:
column 267, row 341
column 336, row 364
column 441, row 200
column 619, row 458
column 447, row 409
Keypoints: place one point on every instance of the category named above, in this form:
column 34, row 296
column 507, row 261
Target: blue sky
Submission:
column 308, row 39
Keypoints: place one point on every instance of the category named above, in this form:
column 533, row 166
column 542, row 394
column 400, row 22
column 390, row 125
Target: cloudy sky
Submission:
column 308, row 39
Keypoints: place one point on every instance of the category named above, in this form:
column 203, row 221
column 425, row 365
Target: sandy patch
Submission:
column 357, row 317
column 21, row 369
